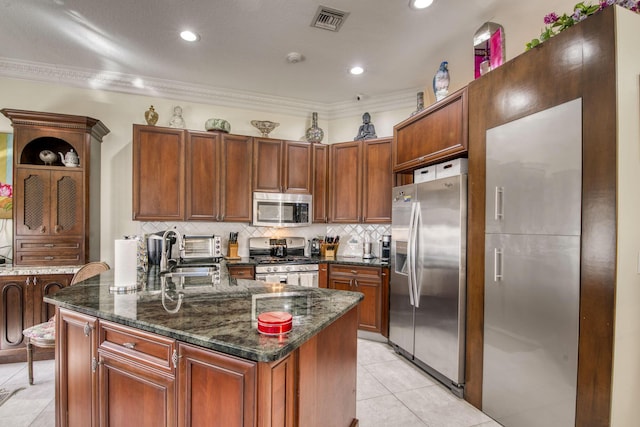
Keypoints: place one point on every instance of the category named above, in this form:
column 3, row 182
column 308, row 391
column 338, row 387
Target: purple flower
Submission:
column 6, row 190
column 550, row 18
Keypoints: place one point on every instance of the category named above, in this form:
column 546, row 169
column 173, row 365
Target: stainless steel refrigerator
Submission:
column 428, row 276
column 532, row 268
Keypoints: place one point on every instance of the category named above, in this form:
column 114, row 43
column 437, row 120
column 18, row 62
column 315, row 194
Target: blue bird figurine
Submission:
column 441, row 81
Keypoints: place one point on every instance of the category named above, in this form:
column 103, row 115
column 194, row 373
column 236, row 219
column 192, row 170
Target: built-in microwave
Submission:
column 281, row 209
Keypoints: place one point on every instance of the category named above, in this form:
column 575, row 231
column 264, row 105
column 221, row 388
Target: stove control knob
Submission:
column 268, row 269
column 288, row 268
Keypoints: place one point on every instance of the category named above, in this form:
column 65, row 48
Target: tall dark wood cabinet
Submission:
column 320, row 184
column 56, row 208
column 594, row 61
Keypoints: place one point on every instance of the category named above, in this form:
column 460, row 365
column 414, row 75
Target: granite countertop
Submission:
column 11, row 270
column 218, row 317
column 373, row 262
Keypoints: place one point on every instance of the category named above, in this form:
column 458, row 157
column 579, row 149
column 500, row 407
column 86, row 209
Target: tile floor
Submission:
column 391, row 392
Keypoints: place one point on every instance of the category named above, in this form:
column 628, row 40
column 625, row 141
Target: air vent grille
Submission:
column 329, row 19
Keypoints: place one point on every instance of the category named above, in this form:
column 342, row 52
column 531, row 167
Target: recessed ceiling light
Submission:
column 420, row 4
column 356, row 70
column 189, row 36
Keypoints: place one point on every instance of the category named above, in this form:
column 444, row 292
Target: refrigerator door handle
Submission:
column 417, row 281
column 410, row 254
column 497, row 265
column 499, row 204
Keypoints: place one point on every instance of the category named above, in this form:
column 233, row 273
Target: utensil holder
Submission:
column 329, row 250
column 233, row 251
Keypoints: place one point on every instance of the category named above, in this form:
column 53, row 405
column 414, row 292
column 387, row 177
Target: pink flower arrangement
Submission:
column 556, row 24
column 6, row 190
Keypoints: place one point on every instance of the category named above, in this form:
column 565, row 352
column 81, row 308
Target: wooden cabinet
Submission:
column 188, row 175
column 76, row 369
column 137, row 382
column 158, row 173
column 323, row 275
column 360, row 180
column 21, row 307
column 241, row 271
column 56, row 208
column 282, row 166
column 320, row 184
column 215, row 389
column 373, row 282
column 438, row 133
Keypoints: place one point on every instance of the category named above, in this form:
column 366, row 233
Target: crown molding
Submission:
column 176, row 90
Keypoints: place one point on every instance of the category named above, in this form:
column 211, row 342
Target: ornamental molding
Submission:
column 181, row 91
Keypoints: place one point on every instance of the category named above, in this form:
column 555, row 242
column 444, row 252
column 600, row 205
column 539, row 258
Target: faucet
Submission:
column 164, row 258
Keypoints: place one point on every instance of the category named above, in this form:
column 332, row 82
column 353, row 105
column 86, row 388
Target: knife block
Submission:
column 328, row 250
column 233, row 251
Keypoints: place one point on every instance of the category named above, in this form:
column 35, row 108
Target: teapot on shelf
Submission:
column 70, row 159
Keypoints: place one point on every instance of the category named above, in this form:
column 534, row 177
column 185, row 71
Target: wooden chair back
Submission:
column 89, row 270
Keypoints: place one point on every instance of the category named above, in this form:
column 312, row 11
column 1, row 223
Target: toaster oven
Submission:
column 198, row 247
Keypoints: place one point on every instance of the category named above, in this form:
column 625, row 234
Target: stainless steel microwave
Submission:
column 281, row 209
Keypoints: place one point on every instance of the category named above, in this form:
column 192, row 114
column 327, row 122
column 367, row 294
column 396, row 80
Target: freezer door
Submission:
column 534, row 173
column 532, row 286
column 440, row 310
column 400, row 296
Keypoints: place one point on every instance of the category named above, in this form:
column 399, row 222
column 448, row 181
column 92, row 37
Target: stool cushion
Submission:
column 42, row 334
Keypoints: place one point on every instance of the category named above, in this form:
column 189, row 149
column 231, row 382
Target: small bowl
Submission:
column 217, row 125
column 264, row 126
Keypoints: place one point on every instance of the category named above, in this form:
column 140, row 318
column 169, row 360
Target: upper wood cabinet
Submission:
column 158, row 173
column 189, row 175
column 320, row 185
column 282, row 166
column 56, row 207
column 360, row 180
column 437, row 133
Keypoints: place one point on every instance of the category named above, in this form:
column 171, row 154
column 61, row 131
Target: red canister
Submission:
column 274, row 322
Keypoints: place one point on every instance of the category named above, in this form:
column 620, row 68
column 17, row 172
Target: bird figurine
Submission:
column 441, row 81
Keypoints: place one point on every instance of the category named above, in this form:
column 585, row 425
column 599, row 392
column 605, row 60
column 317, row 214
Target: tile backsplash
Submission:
column 351, row 235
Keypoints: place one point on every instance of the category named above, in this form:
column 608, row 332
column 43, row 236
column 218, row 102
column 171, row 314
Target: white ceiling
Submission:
column 244, row 43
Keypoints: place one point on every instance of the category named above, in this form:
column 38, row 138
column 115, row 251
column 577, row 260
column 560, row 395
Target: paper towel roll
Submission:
column 125, row 262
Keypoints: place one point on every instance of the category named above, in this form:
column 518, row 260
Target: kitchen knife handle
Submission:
column 497, row 265
column 499, row 204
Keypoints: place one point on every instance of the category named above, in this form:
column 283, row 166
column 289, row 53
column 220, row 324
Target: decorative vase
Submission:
column 419, row 103
column 314, row 133
column 264, row 126
column 151, row 116
column 217, row 125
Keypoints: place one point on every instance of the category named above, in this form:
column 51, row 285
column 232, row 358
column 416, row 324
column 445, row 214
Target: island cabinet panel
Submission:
column 436, row 134
column 323, row 275
column 203, row 176
column 21, row 307
column 76, row 373
column 277, row 390
column 282, row 166
column 215, row 389
column 320, row 185
column 360, row 182
column 373, row 283
column 158, row 173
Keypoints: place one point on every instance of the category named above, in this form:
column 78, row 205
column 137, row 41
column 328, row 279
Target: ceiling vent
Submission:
column 329, row 19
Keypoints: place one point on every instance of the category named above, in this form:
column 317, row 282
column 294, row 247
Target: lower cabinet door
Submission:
column 370, row 310
column 134, row 395
column 215, row 389
column 76, row 353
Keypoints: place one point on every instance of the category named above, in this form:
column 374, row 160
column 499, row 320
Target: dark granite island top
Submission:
column 218, row 317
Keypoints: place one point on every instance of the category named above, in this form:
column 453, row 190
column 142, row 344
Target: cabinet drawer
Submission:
column 241, row 272
column 350, row 271
column 150, row 349
column 47, row 258
column 48, row 245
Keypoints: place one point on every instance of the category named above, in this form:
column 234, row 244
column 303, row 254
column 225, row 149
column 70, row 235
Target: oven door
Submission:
column 281, row 210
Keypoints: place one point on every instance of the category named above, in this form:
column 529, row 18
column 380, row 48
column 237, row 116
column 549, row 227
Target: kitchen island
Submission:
column 184, row 350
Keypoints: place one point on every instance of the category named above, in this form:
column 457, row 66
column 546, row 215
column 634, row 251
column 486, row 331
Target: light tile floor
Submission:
column 391, row 392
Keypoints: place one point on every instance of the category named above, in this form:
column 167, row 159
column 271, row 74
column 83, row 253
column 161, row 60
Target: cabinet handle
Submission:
column 49, row 258
column 174, row 358
column 49, row 245
column 34, row 281
column 497, row 265
column 354, row 272
column 499, row 204
column 87, row 329
column 95, row 364
column 57, row 229
column 26, row 282
column 355, row 281
column 43, row 229
column 129, row 345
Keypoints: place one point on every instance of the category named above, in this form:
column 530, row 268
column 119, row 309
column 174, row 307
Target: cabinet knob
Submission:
column 174, row 358
column 57, row 229
column 129, row 345
column 43, row 229
column 87, row 329
column 95, row 364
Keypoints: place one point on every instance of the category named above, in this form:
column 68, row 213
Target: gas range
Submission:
column 283, row 260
